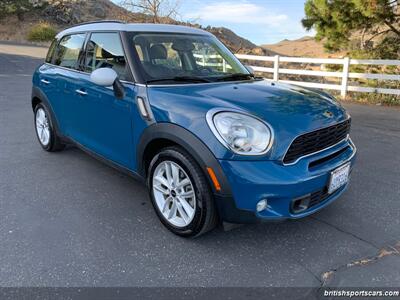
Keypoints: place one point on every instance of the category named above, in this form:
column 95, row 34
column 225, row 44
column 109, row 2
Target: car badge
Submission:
column 328, row 114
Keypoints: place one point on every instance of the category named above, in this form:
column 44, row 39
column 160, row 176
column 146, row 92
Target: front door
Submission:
column 60, row 80
column 105, row 122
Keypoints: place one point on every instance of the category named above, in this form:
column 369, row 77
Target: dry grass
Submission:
column 41, row 32
column 11, row 29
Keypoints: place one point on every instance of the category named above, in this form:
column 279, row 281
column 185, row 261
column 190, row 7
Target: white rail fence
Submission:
column 276, row 70
column 212, row 60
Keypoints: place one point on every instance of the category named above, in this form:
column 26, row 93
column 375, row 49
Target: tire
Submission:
column 45, row 130
column 196, row 193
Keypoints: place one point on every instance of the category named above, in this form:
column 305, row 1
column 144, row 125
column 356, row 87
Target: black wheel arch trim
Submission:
column 39, row 94
column 188, row 141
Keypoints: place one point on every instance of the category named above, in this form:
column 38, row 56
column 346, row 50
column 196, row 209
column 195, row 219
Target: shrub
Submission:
column 42, row 32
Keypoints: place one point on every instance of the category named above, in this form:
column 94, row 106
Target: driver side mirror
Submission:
column 108, row 77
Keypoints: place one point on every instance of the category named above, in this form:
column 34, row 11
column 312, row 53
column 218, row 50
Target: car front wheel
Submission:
column 180, row 193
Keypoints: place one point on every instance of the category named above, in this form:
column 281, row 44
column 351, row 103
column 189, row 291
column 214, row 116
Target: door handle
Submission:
column 80, row 92
column 45, row 81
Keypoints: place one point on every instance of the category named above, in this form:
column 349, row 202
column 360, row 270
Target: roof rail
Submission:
column 100, row 21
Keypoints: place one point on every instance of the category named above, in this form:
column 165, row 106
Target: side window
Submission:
column 50, row 53
column 104, row 50
column 68, row 51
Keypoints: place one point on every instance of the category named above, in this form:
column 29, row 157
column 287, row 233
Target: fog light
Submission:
column 261, row 205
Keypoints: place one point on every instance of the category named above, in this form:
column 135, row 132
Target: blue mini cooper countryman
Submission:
column 172, row 106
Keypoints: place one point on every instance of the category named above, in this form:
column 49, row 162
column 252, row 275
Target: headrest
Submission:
column 158, row 51
column 183, row 46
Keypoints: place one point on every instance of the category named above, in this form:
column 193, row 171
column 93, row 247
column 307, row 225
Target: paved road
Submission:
column 68, row 220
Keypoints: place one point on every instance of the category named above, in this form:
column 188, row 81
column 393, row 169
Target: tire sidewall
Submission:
column 195, row 226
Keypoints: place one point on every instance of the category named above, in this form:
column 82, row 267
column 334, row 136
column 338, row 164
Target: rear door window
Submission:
column 68, row 51
column 104, row 50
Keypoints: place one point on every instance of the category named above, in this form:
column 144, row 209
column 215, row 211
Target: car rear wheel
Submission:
column 180, row 193
column 45, row 132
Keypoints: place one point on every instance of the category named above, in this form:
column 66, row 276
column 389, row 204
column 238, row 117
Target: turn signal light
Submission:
column 214, row 179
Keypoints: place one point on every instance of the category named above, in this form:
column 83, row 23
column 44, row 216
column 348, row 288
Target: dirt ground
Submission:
column 25, row 50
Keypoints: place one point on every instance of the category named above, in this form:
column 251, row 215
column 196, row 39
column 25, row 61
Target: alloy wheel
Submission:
column 42, row 127
column 174, row 194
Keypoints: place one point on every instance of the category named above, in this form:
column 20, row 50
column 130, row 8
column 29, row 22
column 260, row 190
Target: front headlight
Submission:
column 241, row 133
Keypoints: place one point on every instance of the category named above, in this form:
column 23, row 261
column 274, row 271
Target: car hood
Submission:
column 290, row 110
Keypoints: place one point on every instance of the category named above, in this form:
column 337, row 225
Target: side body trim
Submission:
column 108, row 162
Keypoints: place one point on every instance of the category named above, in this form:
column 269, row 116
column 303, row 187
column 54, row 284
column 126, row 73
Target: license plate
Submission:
column 339, row 177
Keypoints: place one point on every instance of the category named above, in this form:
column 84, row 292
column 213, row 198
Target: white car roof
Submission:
column 134, row 27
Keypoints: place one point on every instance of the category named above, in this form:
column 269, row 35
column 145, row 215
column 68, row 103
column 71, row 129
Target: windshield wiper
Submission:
column 180, row 79
column 235, row 76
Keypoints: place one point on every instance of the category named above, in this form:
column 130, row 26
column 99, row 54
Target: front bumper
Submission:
column 281, row 185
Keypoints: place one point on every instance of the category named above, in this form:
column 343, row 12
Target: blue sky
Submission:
column 260, row 21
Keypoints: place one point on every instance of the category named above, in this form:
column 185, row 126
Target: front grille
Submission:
column 317, row 140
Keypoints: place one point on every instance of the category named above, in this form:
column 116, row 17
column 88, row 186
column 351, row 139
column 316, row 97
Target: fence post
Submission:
column 345, row 77
column 276, row 67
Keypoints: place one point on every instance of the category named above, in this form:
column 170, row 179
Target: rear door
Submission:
column 105, row 122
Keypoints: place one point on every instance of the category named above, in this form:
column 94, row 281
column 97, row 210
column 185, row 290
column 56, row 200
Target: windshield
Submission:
column 182, row 58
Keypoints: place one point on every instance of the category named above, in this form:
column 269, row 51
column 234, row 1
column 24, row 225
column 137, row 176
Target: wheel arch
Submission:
column 39, row 97
column 35, row 101
column 161, row 135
